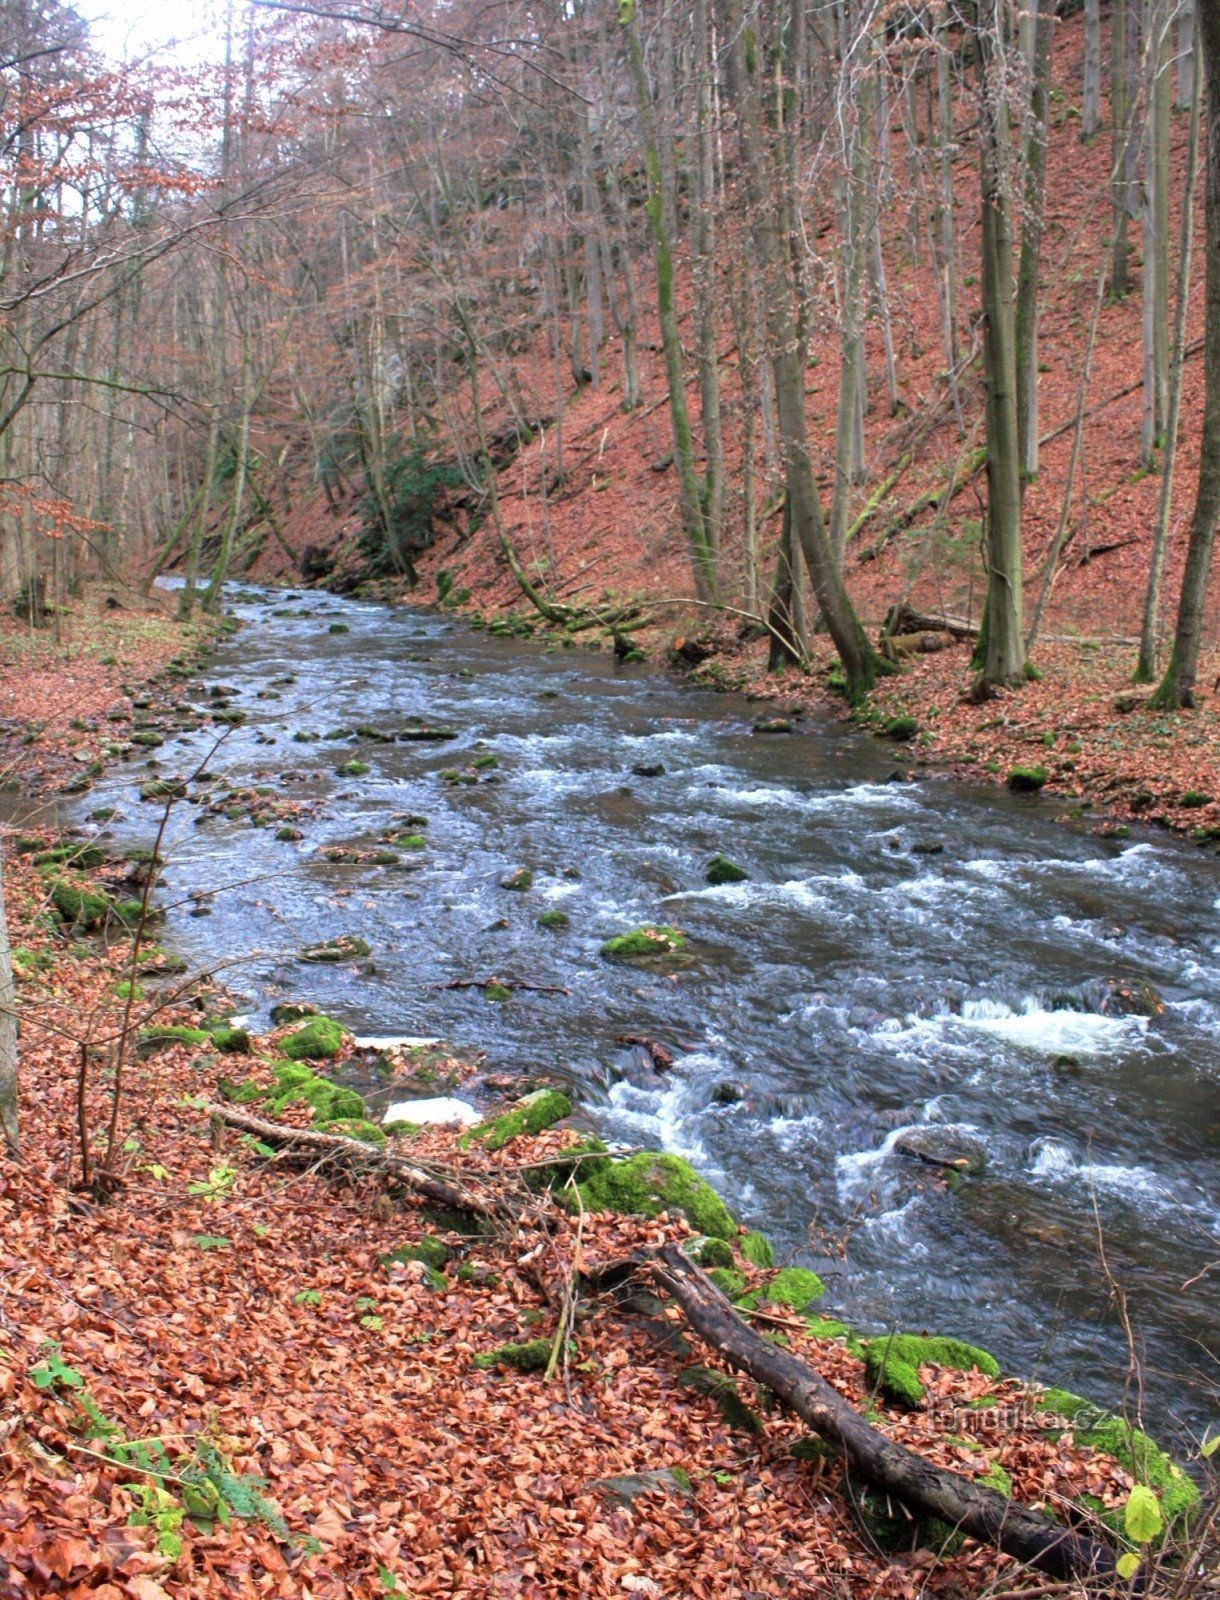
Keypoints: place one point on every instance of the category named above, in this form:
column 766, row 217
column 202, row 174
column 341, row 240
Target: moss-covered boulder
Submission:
column 355, row 1128
column 83, row 857
column 533, row 1356
column 793, row 1286
column 532, row 1114
column 646, row 1184
column 731, row 1281
column 756, row 1248
column 1134, row 1451
column 893, row 1362
column 1027, row 780
column 150, row 1040
column 320, row 1039
column 82, row 908
column 577, row 1162
column 355, row 768
column 554, row 920
column 286, row 1011
column 720, row 869
column 642, row 943
column 298, row 1084
column 716, row 1253
column 518, row 881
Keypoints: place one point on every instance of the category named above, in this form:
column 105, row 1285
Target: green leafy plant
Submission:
column 218, row 1183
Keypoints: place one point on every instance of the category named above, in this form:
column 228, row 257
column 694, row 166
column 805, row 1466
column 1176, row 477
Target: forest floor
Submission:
column 215, row 1380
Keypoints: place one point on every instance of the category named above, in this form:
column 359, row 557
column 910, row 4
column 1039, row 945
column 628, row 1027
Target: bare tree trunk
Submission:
column 1090, row 116
column 1120, row 112
column 1155, row 288
column 1188, row 74
column 1177, row 688
column 1004, row 657
column 1145, row 670
column 659, row 208
column 1042, row 22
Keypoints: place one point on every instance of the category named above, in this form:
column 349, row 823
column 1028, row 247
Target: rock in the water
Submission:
column 721, row 870
column 649, row 769
column 347, row 947
column 943, row 1147
column 1122, row 997
column 729, row 1092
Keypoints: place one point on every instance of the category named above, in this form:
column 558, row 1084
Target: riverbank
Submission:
column 324, row 1374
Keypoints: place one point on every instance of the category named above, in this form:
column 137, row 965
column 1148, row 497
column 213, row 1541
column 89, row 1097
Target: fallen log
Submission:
column 873, row 1459
column 456, row 1194
column 903, row 618
column 876, row 1461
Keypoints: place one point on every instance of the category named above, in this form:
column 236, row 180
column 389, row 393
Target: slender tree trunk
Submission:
column 1090, row 115
column 1188, row 74
column 1155, row 288
column 1177, row 688
column 946, row 137
column 1004, row 660
column 1042, row 15
column 659, row 207
column 705, row 285
column 1119, row 137
column 1145, row 670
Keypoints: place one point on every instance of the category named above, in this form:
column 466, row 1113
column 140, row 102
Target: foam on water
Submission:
column 1057, row 1163
column 1032, row 1027
column 663, row 1119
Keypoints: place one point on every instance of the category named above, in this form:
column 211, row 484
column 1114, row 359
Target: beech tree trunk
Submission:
column 1004, row 657
column 1042, row 27
column 1178, row 686
column 1090, row 116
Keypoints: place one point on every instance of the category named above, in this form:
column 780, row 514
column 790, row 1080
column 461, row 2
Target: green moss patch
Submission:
column 554, row 919
column 893, row 1363
column 756, row 1248
column 721, row 870
column 320, row 1039
column 795, row 1287
column 731, row 1281
column 533, row 1114
column 1027, row 780
column 716, row 1253
column 644, row 942
column 644, row 1185
column 534, row 1356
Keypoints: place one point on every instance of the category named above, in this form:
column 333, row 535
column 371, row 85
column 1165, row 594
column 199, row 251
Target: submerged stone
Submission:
column 943, row 1147
column 347, row 947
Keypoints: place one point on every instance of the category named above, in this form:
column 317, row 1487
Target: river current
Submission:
column 861, row 984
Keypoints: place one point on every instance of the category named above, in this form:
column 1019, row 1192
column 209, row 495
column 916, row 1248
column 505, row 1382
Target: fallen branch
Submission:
column 921, row 1486
column 443, row 1191
column 661, row 1058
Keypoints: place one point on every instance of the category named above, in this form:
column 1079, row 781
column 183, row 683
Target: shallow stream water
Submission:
column 854, row 988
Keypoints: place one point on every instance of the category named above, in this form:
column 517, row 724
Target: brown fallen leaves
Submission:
column 255, row 1316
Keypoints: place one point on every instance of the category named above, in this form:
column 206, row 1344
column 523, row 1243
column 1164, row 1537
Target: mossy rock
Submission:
column 411, row 841
column 298, row 1084
column 430, row 1251
column 292, row 1011
column 1134, row 1451
column 731, row 1281
column 580, row 1161
column 354, row 1128
column 773, row 725
column 83, row 857
column 150, row 1040
column 163, row 789
column 321, row 1039
column 82, row 908
column 646, row 1184
column 1027, row 780
column 229, row 1040
column 721, row 870
column 901, row 728
column 354, row 768
column 893, row 1362
column 716, row 1253
column 756, row 1248
column 532, row 1114
column 832, row 1328
column 554, row 920
column 533, row 1356
column 795, row 1287
column 497, row 992
column 642, row 943
column 518, row 881
column 287, row 834
column 347, row 947
column 148, row 738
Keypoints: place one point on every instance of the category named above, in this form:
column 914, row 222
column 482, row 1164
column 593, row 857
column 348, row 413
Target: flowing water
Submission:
column 854, row 988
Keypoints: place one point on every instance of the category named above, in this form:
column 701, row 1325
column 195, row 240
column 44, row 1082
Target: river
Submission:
column 859, row 984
